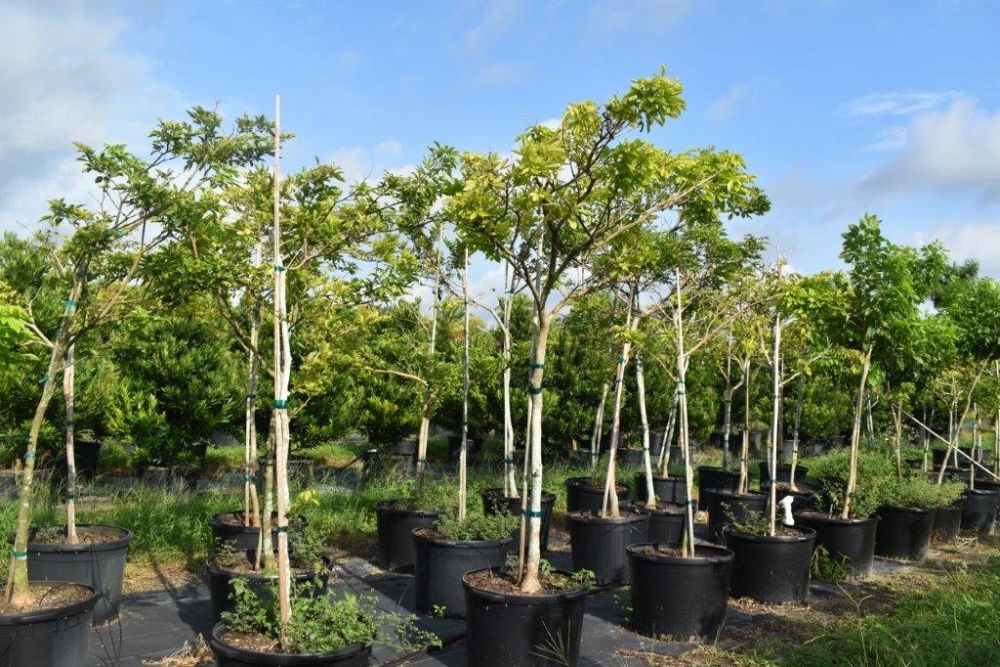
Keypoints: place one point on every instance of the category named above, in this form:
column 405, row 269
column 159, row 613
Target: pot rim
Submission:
column 717, row 555
column 459, row 544
column 217, row 520
column 42, row 615
column 903, row 509
column 661, row 478
column 392, row 507
column 589, row 517
column 230, row 651
column 983, row 492
column 523, row 599
column 808, row 535
column 497, row 492
column 733, row 494
column 66, row 548
column 640, row 507
column 262, row 577
column 836, row 520
column 586, row 482
column 718, row 469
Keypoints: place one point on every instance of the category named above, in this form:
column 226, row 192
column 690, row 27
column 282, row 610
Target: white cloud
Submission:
column 552, row 123
column 368, row 164
column 499, row 16
column 899, row 103
column 890, row 138
column 950, row 150
column 64, row 79
column 624, row 15
column 723, row 106
column 502, row 74
column 976, row 240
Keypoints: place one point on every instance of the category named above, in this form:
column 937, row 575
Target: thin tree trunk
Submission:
column 18, row 591
column 595, row 437
column 610, row 482
column 668, row 435
column 425, row 412
column 852, row 478
column 531, row 584
column 795, row 436
column 727, row 402
column 688, row 546
column 640, row 384
column 68, row 399
column 463, row 455
column 775, row 419
column 954, row 441
column 897, row 438
column 975, row 442
column 251, row 503
column 509, row 478
column 744, row 483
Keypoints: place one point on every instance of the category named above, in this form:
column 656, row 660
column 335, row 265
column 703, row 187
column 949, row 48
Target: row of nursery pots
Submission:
column 86, row 578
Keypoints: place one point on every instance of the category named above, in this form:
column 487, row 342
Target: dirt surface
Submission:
column 85, row 534
column 48, row 596
column 240, row 564
column 247, row 641
column 506, row 583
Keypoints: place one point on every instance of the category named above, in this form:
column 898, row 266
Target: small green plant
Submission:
column 322, row 624
column 752, row 523
column 921, row 493
column 439, row 610
column 560, row 582
column 826, row 568
column 481, row 527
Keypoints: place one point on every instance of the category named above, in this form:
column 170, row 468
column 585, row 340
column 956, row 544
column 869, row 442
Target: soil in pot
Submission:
column 947, row 523
column 979, row 511
column 666, row 522
column 239, row 566
column 441, row 565
column 771, row 569
column 54, row 631
column 676, row 597
column 395, row 525
column 236, row 649
column 903, row 532
column 585, row 495
column 599, row 544
column 710, row 478
column 228, row 528
column 850, row 542
column 507, row 627
column 98, row 561
column 667, row 489
column 495, row 502
column 802, row 497
column 728, row 506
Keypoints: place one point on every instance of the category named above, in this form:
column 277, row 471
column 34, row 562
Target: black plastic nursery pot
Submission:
column 963, row 461
column 771, row 569
column 979, row 511
column 583, row 495
column 395, row 526
column 784, row 472
column 903, row 532
column 227, row 655
column 947, row 523
column 495, row 502
column 599, row 544
column 667, row 489
column 98, row 565
column 728, row 506
column 710, row 477
column 666, row 522
column 516, row 629
column 629, row 457
column 802, row 497
column 442, row 564
column 850, row 542
column 57, row 637
column 679, row 597
column 228, row 528
column 220, row 584
column 86, row 454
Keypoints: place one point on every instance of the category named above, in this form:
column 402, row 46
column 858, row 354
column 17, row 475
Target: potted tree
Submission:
column 565, row 196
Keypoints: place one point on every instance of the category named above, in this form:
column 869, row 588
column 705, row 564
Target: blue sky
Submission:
column 839, row 107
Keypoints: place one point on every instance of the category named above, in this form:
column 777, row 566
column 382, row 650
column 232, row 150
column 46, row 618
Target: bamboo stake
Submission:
column 68, row 397
column 464, row 451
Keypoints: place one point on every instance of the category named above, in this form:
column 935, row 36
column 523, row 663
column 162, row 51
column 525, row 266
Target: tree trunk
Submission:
column 425, row 413
column 18, row 591
column 897, row 438
column 68, row 399
column 595, row 437
column 530, row 583
column 668, row 435
column 251, row 503
column 852, row 477
column 775, row 419
column 610, row 482
column 463, row 455
column 509, row 479
column 744, row 484
column 688, row 546
column 727, row 403
column 795, row 435
column 640, row 383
